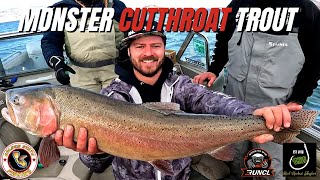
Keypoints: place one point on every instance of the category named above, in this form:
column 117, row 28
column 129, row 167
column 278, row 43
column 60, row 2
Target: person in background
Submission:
column 145, row 75
column 268, row 68
column 92, row 54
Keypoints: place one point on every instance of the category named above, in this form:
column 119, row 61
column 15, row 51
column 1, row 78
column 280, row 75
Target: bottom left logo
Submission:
column 19, row 160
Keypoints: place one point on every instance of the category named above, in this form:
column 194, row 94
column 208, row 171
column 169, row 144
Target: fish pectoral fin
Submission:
column 48, row 151
column 164, row 166
column 163, row 107
column 224, row 153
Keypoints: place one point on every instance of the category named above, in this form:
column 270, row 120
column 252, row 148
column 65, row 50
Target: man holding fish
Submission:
column 145, row 75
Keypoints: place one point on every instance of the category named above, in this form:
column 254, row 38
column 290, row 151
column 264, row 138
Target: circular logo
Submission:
column 19, row 160
column 257, row 163
column 257, row 159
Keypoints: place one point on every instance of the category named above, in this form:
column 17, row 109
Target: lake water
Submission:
column 174, row 41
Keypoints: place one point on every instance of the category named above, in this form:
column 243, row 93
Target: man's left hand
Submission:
column 84, row 145
column 276, row 117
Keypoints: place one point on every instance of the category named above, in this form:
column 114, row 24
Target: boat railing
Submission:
column 16, row 34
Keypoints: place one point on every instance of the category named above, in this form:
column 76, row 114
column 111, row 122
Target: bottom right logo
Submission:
column 299, row 159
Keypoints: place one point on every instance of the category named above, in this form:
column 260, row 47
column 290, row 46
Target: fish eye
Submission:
column 15, row 100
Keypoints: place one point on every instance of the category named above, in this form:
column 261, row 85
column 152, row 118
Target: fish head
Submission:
column 31, row 109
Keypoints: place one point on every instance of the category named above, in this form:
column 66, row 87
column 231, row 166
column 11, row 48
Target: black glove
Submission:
column 57, row 63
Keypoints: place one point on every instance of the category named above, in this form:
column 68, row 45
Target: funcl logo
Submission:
column 257, row 163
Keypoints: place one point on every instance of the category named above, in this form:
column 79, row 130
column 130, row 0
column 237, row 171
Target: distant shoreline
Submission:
column 9, row 15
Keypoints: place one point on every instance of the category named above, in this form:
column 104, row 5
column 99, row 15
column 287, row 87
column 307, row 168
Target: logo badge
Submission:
column 19, row 160
column 299, row 159
column 257, row 163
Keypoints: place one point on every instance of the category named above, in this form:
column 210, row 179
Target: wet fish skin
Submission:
column 135, row 131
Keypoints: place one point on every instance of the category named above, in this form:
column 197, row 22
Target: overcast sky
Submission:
column 130, row 3
column 13, row 9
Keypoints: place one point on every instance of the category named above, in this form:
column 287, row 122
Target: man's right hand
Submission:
column 199, row 79
column 57, row 63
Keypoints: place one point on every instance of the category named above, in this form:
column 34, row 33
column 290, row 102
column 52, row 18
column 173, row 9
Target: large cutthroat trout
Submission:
column 147, row 132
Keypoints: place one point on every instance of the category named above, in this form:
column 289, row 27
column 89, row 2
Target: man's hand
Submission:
column 204, row 76
column 83, row 145
column 57, row 63
column 276, row 117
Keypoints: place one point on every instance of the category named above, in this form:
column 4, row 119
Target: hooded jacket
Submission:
column 174, row 88
column 308, row 22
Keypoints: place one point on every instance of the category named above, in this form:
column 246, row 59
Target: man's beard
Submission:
column 151, row 74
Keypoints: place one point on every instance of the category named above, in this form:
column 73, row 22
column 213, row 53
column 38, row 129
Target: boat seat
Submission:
column 72, row 169
column 34, row 49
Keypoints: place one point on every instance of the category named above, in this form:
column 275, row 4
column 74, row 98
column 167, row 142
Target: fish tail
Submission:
column 299, row 120
column 303, row 119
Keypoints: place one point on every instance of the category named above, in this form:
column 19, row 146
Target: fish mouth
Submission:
column 6, row 108
column 5, row 112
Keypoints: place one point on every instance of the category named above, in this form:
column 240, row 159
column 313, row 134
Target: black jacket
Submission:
column 308, row 21
column 53, row 41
